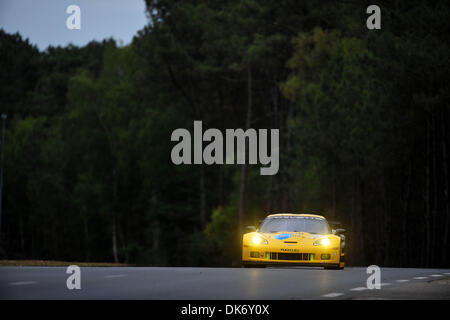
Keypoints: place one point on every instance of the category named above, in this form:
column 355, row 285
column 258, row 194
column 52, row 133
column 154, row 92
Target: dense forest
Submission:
column 363, row 115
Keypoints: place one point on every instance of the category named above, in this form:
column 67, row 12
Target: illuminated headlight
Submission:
column 259, row 240
column 322, row 242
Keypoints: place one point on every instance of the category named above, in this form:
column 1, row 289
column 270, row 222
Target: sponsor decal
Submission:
column 290, row 250
column 283, row 236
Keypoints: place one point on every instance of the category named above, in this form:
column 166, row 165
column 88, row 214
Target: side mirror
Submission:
column 339, row 231
column 251, row 228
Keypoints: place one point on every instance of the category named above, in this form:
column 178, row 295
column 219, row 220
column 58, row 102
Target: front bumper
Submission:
column 308, row 256
column 298, row 264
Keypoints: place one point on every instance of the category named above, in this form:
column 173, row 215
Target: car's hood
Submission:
column 285, row 235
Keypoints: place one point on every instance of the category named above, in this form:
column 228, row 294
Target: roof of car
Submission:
column 295, row 215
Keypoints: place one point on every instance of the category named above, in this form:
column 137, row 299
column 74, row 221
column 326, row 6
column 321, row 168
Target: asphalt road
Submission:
column 223, row 283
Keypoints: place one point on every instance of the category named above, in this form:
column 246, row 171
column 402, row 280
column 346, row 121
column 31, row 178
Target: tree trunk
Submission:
column 427, row 200
column 86, row 239
column 275, row 124
column 244, row 166
column 359, row 218
column 155, row 235
column 406, row 199
column 221, row 185
column 242, row 198
column 202, row 197
column 384, row 222
column 446, row 193
column 114, row 218
column 269, row 195
column 435, row 187
column 21, row 234
column 115, row 183
column 354, row 252
column 155, row 227
column 114, row 240
column 122, row 241
column 333, row 191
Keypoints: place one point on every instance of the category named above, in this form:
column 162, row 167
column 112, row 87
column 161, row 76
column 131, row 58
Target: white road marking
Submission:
column 116, row 276
column 358, row 289
column 332, row 295
column 385, row 284
column 402, row 280
column 420, row 278
column 21, row 283
column 447, row 273
column 436, row 275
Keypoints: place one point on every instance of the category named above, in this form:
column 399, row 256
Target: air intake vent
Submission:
column 292, row 256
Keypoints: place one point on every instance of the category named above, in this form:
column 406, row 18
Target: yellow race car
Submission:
column 294, row 239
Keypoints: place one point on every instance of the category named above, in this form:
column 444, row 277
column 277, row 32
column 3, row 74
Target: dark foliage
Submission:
column 364, row 133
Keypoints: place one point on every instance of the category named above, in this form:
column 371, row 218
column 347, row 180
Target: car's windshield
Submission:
column 295, row 224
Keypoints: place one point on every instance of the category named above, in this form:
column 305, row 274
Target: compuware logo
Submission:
column 283, row 236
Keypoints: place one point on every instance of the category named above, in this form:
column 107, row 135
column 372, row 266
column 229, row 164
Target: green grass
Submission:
column 51, row 263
